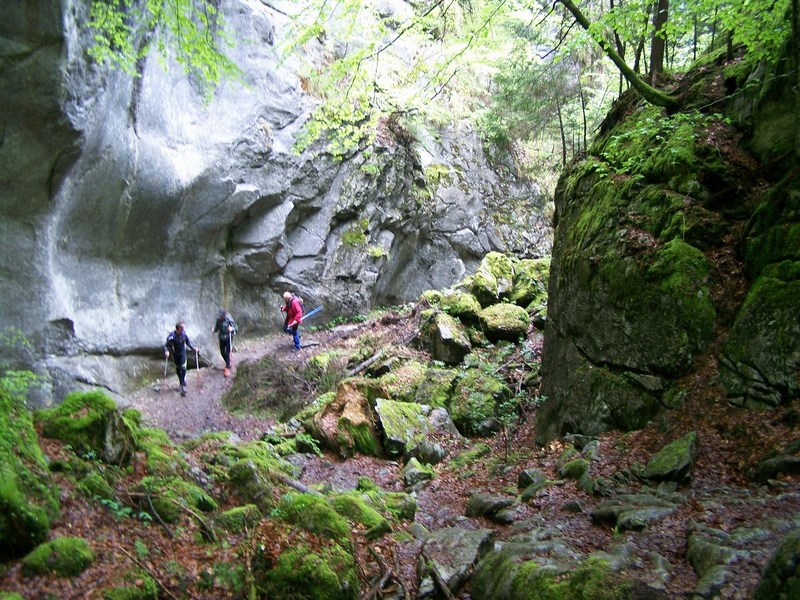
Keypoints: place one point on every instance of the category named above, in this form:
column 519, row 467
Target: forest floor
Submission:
column 731, row 442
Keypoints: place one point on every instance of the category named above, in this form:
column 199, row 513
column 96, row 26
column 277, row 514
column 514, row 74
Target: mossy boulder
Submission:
column 541, row 565
column 95, row 485
column 674, row 461
column 306, row 567
column 355, row 509
column 493, row 279
column 250, row 479
column 166, row 497
column 91, row 424
column 64, row 556
column 530, row 284
column 29, row 500
column 162, row 456
column 445, row 338
column 239, row 518
column 402, row 381
column 315, row 514
column 474, row 402
column 781, row 579
column 460, row 305
column 761, row 356
column 137, row 585
column 436, row 388
column 504, row 321
column 404, row 424
column 414, row 473
column 347, row 424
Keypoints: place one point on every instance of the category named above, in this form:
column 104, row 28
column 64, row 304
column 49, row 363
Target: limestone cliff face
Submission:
column 129, row 203
column 676, row 255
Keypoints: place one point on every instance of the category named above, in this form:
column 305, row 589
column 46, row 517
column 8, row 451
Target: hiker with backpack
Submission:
column 294, row 315
column 177, row 342
column 225, row 327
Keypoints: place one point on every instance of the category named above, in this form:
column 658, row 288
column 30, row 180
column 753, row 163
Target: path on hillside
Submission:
column 200, row 411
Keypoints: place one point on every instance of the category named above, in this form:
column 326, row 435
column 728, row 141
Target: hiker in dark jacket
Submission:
column 294, row 315
column 177, row 342
column 225, row 327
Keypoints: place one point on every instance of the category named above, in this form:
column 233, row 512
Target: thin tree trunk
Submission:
column 648, row 92
column 563, row 135
column 659, row 44
column 583, row 112
column 694, row 38
column 796, row 60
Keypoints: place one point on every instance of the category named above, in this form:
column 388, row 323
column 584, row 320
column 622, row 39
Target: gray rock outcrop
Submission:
column 129, row 203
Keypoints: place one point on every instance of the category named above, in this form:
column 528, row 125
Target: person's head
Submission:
column 221, row 314
column 287, row 295
column 179, row 327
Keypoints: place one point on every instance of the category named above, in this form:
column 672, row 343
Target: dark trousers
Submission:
column 296, row 336
column 180, row 369
column 225, row 350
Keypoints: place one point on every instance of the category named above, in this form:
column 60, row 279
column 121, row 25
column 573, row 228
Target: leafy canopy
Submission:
column 189, row 30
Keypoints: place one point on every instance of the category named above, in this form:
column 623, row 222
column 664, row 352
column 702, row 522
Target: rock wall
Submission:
column 129, row 203
column 676, row 257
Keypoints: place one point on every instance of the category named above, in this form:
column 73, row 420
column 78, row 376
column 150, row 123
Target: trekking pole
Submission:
column 197, row 364
column 166, row 362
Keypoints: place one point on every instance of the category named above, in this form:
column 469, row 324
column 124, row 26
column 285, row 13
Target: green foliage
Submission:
column 356, row 234
column 125, row 31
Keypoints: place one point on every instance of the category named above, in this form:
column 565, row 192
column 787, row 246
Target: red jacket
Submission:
column 294, row 311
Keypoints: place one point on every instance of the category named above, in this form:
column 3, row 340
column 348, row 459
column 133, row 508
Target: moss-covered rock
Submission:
column 474, row 401
column 493, row 279
column 781, row 577
column 353, row 507
column 505, row 321
column 162, row 456
column 138, row 586
column 28, row 497
column 674, row 461
column 347, row 423
column 309, row 568
column 546, row 568
column 64, row 556
column 761, row 356
column 166, row 497
column 96, row 485
column 315, row 514
column 239, row 518
column 404, row 424
column 530, row 284
column 437, row 387
column 90, row 423
column 460, row 305
column 402, row 382
column 445, row 338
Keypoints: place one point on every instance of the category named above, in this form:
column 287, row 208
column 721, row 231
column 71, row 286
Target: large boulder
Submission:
column 29, row 500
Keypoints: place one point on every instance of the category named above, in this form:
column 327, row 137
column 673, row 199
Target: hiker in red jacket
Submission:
column 294, row 315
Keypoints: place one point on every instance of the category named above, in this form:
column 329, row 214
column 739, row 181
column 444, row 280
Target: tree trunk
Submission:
column 583, row 113
column 648, row 92
column 796, row 60
column 563, row 135
column 659, row 43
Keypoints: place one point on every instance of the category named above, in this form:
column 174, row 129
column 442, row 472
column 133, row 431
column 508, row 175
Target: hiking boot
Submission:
column 227, row 372
column 183, row 390
column 297, row 349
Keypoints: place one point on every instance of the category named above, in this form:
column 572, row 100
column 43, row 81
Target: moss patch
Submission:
column 28, row 498
column 65, row 556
